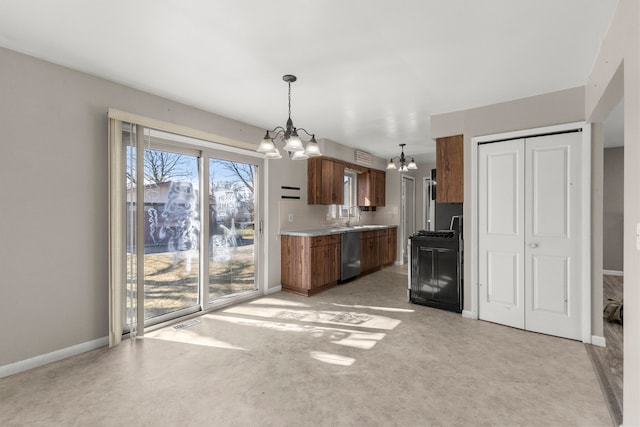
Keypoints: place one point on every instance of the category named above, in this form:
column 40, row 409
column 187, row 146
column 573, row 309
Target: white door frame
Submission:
column 404, row 211
column 585, row 206
column 426, row 200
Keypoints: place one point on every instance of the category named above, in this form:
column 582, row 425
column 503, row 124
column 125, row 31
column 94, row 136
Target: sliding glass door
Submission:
column 232, row 209
column 171, row 232
column 176, row 262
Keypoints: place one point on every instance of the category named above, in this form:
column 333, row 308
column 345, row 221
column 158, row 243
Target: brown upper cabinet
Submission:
column 325, row 181
column 371, row 188
column 450, row 169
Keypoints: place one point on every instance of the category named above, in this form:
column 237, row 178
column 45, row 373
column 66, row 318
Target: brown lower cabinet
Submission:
column 311, row 264
column 377, row 249
column 391, row 246
column 369, row 250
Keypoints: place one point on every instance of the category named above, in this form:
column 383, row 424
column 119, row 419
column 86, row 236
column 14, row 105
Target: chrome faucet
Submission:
column 349, row 215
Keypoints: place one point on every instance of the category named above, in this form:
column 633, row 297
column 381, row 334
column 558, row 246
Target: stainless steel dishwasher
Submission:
column 350, row 255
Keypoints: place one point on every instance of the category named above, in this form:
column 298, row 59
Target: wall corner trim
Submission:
column 598, row 340
column 469, row 314
column 54, row 356
column 273, row 290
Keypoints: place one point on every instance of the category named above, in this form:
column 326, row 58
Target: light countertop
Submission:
column 312, row 232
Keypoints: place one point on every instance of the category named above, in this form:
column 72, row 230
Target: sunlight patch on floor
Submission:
column 275, row 301
column 371, row 307
column 357, row 339
column 343, row 318
column 361, row 340
column 189, row 336
column 334, row 359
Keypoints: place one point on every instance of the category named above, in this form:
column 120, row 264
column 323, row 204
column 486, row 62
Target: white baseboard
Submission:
column 613, row 272
column 54, row 356
column 599, row 341
column 469, row 314
column 273, row 290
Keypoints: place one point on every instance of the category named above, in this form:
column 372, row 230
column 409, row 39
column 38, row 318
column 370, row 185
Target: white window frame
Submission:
column 350, row 196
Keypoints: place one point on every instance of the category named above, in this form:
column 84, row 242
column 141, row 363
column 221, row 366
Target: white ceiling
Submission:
column 370, row 72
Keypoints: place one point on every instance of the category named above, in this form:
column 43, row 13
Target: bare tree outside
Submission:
column 245, row 172
column 162, row 166
column 159, row 167
column 172, row 220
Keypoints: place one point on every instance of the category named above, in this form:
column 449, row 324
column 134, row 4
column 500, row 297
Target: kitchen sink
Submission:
column 336, row 230
column 347, row 228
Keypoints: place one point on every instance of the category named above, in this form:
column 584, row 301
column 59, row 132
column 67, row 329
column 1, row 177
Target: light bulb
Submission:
column 299, row 155
column 293, row 143
column 274, row 154
column 266, row 145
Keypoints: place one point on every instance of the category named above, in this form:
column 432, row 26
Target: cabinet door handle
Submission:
column 533, row 245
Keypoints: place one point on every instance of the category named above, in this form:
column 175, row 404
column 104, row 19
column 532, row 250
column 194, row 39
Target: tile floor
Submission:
column 356, row 355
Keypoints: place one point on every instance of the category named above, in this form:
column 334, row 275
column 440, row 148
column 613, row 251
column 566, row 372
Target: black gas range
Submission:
column 435, row 276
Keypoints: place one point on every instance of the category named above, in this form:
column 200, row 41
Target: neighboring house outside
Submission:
column 172, row 214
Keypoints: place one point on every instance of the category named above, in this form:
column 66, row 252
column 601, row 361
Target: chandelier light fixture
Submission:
column 289, row 135
column 400, row 162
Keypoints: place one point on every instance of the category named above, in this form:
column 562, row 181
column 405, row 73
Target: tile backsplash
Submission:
column 297, row 214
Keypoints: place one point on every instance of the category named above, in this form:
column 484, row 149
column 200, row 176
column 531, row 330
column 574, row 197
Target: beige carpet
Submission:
column 358, row 355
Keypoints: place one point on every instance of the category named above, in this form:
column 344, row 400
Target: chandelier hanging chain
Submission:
column 289, row 83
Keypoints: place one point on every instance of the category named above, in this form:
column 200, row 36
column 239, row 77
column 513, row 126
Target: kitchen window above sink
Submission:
column 350, row 209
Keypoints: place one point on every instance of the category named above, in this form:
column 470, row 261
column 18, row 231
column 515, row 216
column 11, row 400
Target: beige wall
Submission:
column 544, row 110
column 616, row 73
column 53, row 227
column 282, row 172
column 424, row 171
column 392, row 212
column 53, row 289
column 54, row 122
column 613, row 212
column 597, row 171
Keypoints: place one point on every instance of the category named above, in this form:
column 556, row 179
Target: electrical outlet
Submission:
column 290, row 217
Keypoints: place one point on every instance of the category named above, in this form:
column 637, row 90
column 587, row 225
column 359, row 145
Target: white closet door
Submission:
column 529, row 233
column 552, row 227
column 501, row 232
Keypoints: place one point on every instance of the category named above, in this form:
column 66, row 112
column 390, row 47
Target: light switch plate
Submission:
column 290, row 217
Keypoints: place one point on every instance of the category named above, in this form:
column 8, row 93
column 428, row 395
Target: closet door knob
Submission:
column 533, row 245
